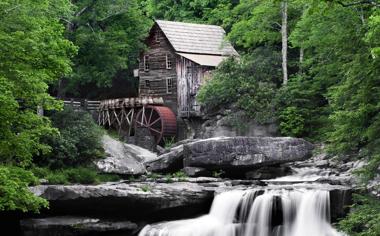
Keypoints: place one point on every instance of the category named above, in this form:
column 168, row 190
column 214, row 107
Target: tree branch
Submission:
column 367, row 2
column 81, row 11
column 11, row 9
column 114, row 14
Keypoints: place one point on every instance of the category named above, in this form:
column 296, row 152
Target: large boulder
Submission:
column 131, row 200
column 122, row 158
column 171, row 160
column 245, row 152
column 168, row 162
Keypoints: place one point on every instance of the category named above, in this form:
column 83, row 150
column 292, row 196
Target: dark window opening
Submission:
column 168, row 62
column 146, row 63
column 169, row 85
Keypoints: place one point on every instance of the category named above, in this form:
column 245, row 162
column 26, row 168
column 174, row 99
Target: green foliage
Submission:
column 250, row 83
column 110, row 37
column 33, row 54
column 15, row 195
column 218, row 173
column 78, row 142
column 153, row 176
column 370, row 170
column 145, row 188
column 180, row 175
column 363, row 220
column 200, row 11
column 168, row 178
column 169, row 142
column 80, row 175
column 291, row 122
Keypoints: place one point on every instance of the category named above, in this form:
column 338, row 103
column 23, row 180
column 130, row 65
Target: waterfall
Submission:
column 271, row 212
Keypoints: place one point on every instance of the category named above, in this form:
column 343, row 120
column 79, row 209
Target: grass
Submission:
column 145, row 188
column 153, row 176
column 217, row 174
column 79, row 175
column 169, row 142
column 179, row 176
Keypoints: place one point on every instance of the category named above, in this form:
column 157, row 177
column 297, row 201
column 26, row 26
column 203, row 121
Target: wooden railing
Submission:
column 92, row 106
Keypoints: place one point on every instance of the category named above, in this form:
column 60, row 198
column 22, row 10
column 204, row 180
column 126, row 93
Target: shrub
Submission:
column 14, row 192
column 364, row 218
column 81, row 175
column 180, row 175
column 291, row 122
column 57, row 178
column 78, row 142
column 169, row 142
column 250, row 83
column 145, row 188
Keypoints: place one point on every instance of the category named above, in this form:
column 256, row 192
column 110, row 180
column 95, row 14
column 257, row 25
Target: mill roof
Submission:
column 197, row 38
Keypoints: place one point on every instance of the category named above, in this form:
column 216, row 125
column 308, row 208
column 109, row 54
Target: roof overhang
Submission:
column 204, row 60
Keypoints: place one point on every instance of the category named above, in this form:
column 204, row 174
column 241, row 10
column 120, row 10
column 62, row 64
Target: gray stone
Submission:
column 169, row 162
column 144, row 139
column 123, row 158
column 233, row 124
column 73, row 226
column 126, row 199
column 245, row 152
column 196, row 171
column 160, row 150
column 268, row 172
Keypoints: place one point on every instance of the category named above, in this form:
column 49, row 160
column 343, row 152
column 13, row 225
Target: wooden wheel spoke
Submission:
column 139, row 123
column 158, row 120
column 146, row 121
column 154, row 130
column 150, row 116
column 154, row 122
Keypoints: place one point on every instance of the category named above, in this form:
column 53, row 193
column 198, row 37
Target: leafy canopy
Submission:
column 110, row 37
column 34, row 53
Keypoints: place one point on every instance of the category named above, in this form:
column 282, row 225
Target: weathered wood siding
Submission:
column 190, row 77
column 158, row 73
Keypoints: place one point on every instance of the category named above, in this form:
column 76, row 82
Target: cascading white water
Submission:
column 278, row 212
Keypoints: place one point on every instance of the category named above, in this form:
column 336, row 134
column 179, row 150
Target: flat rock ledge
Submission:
column 131, row 200
column 74, row 226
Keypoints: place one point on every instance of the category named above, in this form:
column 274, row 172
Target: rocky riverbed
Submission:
column 125, row 207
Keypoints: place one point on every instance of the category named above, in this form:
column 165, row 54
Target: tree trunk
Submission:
column 284, row 36
column 301, row 59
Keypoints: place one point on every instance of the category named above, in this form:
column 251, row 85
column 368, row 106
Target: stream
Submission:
column 293, row 205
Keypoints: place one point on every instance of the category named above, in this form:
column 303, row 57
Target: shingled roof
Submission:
column 197, row 38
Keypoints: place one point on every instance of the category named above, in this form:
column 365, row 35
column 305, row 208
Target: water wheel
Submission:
column 160, row 121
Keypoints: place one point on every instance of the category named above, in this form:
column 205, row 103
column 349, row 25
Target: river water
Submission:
column 277, row 211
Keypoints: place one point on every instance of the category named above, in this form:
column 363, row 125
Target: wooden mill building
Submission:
column 178, row 59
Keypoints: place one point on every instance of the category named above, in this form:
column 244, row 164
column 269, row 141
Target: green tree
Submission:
column 110, row 37
column 249, row 83
column 78, row 142
column 200, row 11
column 34, row 53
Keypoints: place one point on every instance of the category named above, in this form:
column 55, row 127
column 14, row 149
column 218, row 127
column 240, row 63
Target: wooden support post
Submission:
column 131, row 122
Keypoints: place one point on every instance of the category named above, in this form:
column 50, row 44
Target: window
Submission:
column 146, row 63
column 168, row 62
column 157, row 35
column 169, row 85
column 147, row 83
